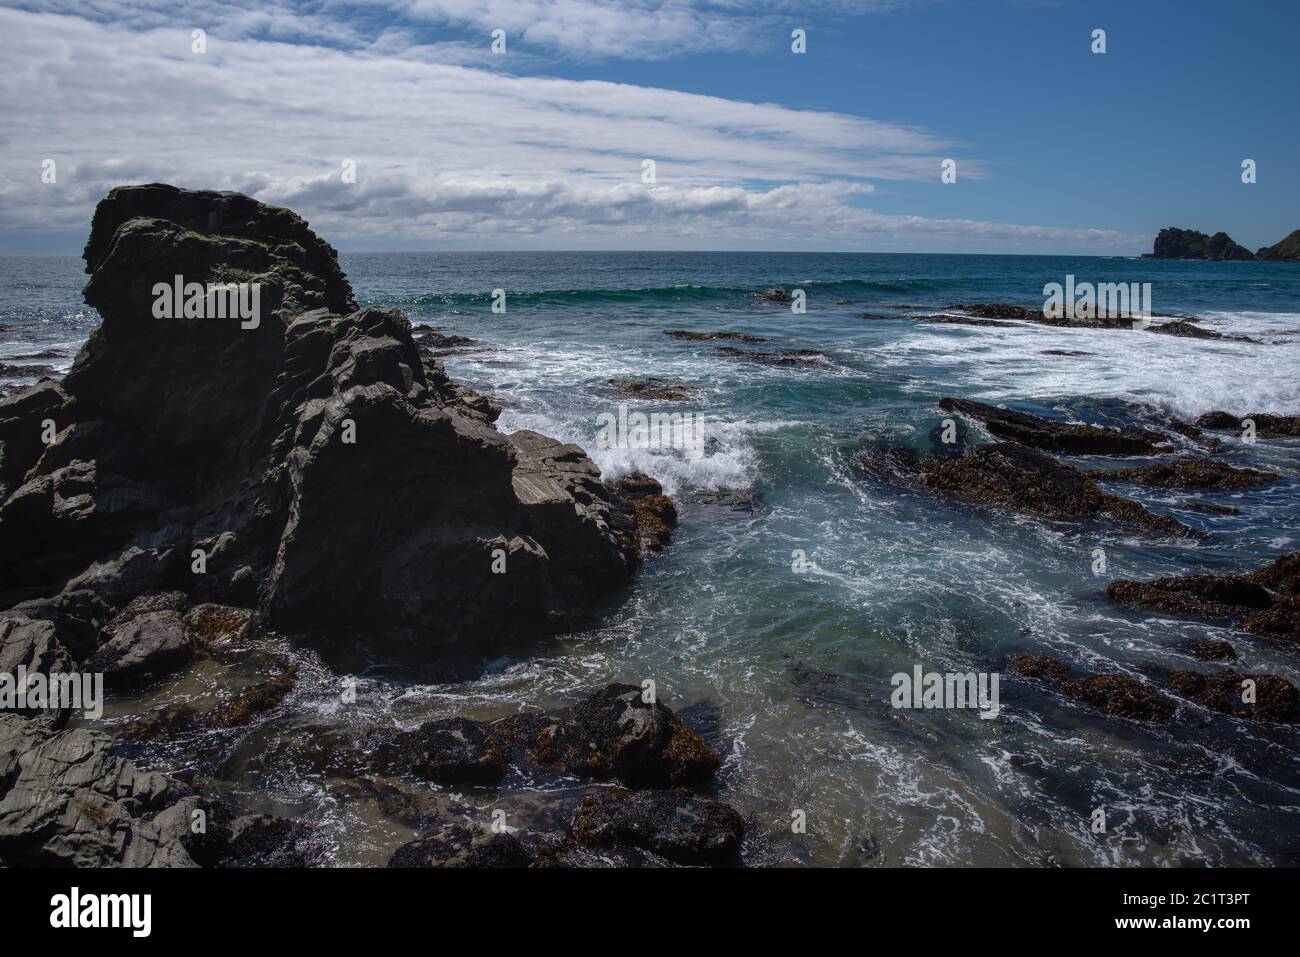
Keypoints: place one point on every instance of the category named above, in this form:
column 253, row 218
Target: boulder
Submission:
column 148, row 647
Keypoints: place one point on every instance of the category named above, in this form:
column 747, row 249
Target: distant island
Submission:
column 1174, row 243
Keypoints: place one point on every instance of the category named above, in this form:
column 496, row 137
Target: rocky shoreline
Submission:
column 202, row 492
column 312, row 473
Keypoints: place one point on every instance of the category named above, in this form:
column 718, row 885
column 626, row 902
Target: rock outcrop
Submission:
column 1010, row 476
column 1266, row 424
column 1174, row 243
column 1201, row 473
column 1118, row 695
column 1052, row 436
column 1286, row 251
column 313, row 463
column 1265, row 601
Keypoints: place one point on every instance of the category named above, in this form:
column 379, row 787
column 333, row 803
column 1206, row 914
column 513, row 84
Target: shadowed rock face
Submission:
column 1050, row 436
column 331, row 473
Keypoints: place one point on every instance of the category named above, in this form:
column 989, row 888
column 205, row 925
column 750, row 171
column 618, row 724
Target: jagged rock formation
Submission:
column 1174, row 243
column 1286, row 251
column 331, row 473
column 307, row 466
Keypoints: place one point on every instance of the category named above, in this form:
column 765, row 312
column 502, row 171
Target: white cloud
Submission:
column 446, row 154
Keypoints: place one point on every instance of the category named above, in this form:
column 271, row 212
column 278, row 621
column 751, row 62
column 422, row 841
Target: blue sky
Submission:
column 1058, row 150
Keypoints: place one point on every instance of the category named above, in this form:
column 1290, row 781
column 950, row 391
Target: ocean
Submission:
column 798, row 583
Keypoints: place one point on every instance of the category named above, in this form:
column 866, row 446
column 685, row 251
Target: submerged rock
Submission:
column 1051, row 436
column 1190, row 474
column 657, row 389
column 786, row 357
column 1274, row 698
column 1118, row 695
column 690, row 336
column 1265, row 601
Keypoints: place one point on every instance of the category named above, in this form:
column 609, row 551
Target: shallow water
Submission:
column 788, row 672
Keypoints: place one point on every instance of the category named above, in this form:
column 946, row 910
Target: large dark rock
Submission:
column 1174, row 243
column 1287, row 250
column 1052, row 436
column 1275, row 699
column 145, row 648
column 673, row 824
column 317, row 465
column 616, row 734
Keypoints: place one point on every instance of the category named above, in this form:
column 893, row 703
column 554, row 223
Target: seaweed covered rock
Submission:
column 448, row 751
column 462, row 845
column 1266, row 601
column 1206, row 474
column 1009, row 475
column 1119, row 695
column 1265, row 423
column 1258, row 697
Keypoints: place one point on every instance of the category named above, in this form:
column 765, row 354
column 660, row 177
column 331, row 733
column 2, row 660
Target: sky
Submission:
column 395, row 125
